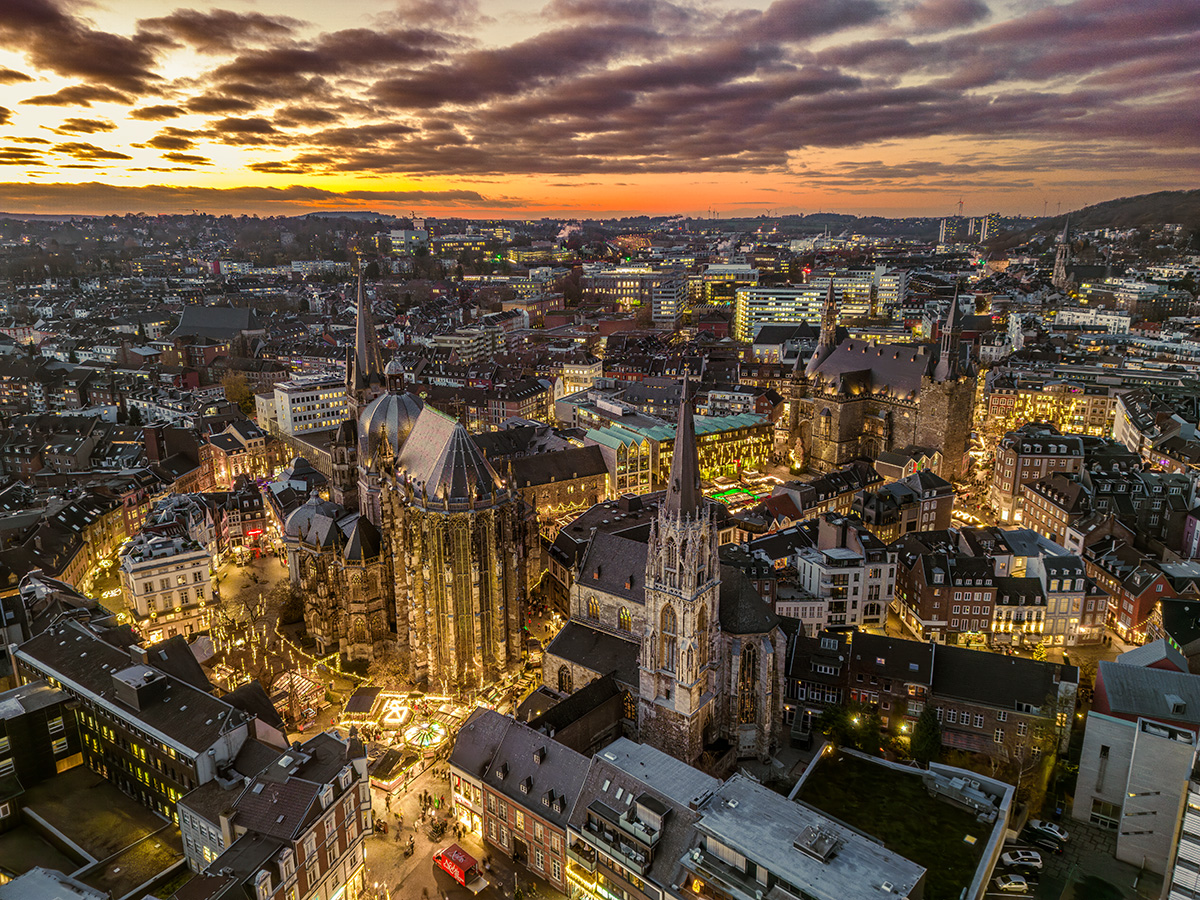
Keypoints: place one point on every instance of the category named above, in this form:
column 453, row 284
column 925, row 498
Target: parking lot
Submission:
column 1085, row 870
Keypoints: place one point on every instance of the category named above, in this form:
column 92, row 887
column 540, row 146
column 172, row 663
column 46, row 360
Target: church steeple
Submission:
column 948, row 359
column 364, row 368
column 684, row 497
column 1062, row 257
column 828, row 338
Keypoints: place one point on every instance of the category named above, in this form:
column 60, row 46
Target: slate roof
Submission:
column 612, row 562
column 536, row 771
column 83, row 661
column 598, row 651
column 895, row 368
column 899, row 657
column 560, row 465
column 577, row 705
column 218, row 322
column 1154, row 652
column 995, row 680
column 1014, row 591
column 1138, row 691
column 742, row 609
column 478, row 739
column 440, row 460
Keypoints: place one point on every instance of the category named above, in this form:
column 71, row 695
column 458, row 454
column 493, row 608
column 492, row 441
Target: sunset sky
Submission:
column 595, row 107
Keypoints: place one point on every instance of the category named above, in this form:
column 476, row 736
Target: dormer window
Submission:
column 538, row 755
column 502, row 772
column 262, row 884
column 344, row 778
column 326, row 796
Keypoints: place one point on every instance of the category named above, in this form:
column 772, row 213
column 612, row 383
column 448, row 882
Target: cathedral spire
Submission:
column 364, row 368
column 684, row 497
column 948, row 359
column 828, row 338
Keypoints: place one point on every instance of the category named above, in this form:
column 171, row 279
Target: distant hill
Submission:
column 1181, row 207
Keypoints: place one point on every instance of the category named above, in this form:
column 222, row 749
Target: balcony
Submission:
column 581, row 853
column 611, row 841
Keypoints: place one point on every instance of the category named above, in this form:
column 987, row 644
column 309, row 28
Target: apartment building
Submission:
column 849, row 574
column 293, row 831
column 167, row 583
column 759, row 306
column 946, row 597
column 922, row 501
column 515, row 787
column 1026, row 455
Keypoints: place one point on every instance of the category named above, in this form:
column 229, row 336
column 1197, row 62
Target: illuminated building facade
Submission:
column 1028, row 455
column 689, row 638
column 1071, row 407
column 167, row 583
column 424, row 549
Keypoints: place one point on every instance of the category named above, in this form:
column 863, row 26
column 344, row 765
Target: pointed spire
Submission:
column 366, row 343
column 948, row 361
column 827, row 341
column 684, row 497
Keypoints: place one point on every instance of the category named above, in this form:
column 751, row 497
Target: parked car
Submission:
column 1050, row 828
column 1024, row 859
column 1046, row 842
column 1012, row 884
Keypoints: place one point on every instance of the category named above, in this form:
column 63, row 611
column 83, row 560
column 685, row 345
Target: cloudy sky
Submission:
column 595, row 107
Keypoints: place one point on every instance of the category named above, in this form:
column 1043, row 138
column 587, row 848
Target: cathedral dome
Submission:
column 392, row 415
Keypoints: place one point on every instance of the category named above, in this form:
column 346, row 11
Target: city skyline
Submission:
column 595, row 107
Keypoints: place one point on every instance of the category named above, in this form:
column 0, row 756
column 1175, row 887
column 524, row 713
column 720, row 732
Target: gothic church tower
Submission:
column 678, row 665
column 364, row 382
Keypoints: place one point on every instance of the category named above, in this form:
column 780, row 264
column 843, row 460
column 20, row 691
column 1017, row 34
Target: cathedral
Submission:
column 856, row 399
column 699, row 654
column 421, row 550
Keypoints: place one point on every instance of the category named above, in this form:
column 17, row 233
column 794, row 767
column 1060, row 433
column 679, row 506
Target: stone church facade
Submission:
column 698, row 652
column 422, row 552
column 857, row 399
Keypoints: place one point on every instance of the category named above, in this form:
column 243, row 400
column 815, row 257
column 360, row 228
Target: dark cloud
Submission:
column 480, row 75
column 85, row 151
column 292, row 116
column 79, row 95
column 171, row 139
column 52, row 38
column 604, row 88
column 219, row 30
column 19, row 156
column 157, row 112
column 5, row 115
column 458, row 13
column 29, row 140
column 280, row 168
column 932, row 15
column 251, row 125
column 12, row 76
column 98, row 198
column 84, row 126
column 190, row 158
column 219, row 104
